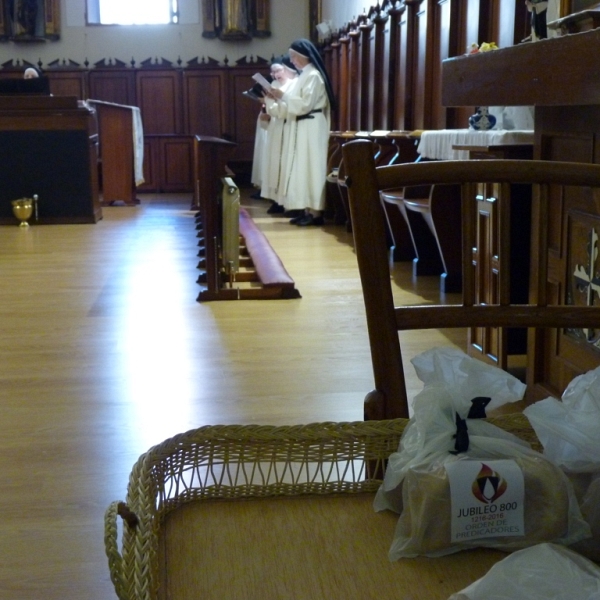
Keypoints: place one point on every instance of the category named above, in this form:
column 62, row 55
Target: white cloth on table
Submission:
column 438, row 144
column 304, row 163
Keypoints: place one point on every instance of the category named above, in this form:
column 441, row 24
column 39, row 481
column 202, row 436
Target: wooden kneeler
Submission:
column 259, row 261
column 261, row 266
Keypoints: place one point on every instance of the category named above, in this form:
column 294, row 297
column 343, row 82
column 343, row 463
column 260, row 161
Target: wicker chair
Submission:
column 365, row 181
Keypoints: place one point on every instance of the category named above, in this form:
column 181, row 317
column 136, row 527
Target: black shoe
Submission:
column 292, row 214
column 299, row 218
column 275, row 209
column 309, row 219
column 256, row 195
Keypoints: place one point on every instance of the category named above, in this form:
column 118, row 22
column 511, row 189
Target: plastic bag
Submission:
column 568, row 429
column 542, row 572
column 417, row 482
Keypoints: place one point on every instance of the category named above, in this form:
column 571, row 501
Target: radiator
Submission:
column 230, row 249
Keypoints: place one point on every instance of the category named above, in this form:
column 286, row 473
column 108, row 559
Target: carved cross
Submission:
column 587, row 279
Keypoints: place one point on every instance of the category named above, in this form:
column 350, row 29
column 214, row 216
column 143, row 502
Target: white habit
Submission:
column 304, row 164
column 274, row 148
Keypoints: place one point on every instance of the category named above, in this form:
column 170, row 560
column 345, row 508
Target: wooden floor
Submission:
column 104, row 352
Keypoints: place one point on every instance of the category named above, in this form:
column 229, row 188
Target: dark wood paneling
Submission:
column 159, row 98
column 532, row 72
column 422, row 73
column 368, row 82
column 382, row 91
column 241, row 123
column 152, row 169
column 168, row 163
column 177, row 154
column 354, row 82
column 344, row 90
column 568, row 134
column 204, row 112
column 114, row 85
column 68, row 83
column 399, row 72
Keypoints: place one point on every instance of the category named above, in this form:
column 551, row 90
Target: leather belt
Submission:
column 308, row 115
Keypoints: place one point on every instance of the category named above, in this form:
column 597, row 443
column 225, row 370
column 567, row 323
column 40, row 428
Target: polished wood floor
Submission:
column 104, row 352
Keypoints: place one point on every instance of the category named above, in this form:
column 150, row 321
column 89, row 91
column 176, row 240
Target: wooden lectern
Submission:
column 121, row 151
column 48, row 147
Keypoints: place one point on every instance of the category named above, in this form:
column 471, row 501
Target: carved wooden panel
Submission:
column 382, row 92
column 332, row 62
column 168, row 163
column 241, row 123
column 204, row 112
column 344, row 94
column 177, row 155
column 569, row 134
column 159, row 98
column 151, row 165
column 113, row 85
column 420, row 91
column 444, row 38
column 354, row 82
column 399, row 72
column 68, row 83
column 367, row 78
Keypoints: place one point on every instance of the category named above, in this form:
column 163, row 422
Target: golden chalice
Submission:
column 23, row 209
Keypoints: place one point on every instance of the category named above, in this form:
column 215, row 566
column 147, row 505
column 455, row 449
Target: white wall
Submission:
column 289, row 20
column 339, row 13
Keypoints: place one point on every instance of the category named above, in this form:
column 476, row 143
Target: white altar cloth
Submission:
column 438, row 144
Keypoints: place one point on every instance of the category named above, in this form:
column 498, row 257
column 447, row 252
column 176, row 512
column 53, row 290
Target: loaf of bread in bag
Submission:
column 424, row 526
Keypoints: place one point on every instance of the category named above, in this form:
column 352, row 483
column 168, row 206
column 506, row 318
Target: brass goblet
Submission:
column 23, row 209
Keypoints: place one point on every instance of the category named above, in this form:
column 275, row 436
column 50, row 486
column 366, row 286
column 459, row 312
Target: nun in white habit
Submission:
column 284, row 76
column 308, row 104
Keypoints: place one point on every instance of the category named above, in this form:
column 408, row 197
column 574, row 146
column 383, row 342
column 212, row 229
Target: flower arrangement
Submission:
column 484, row 47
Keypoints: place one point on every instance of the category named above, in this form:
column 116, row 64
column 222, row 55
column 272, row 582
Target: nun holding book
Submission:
column 308, row 105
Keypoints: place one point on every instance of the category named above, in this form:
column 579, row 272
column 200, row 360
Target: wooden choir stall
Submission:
column 559, row 77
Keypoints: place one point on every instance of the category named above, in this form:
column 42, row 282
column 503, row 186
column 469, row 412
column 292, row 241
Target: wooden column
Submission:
column 381, row 72
column 355, row 82
column 398, row 71
column 344, row 97
column 368, row 83
column 334, row 74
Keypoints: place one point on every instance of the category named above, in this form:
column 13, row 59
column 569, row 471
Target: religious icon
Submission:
column 22, row 20
column 235, row 19
column 27, row 11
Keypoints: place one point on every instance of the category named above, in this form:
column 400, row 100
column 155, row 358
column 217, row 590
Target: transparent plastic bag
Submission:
column 542, row 572
column 416, row 483
column 568, row 429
